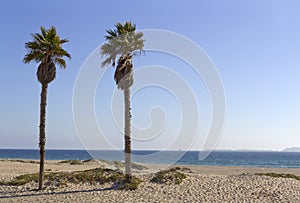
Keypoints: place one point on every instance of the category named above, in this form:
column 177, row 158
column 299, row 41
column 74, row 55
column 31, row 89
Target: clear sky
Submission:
column 255, row 46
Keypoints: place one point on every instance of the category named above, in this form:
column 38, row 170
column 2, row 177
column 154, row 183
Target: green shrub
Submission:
column 132, row 185
column 72, row 162
column 281, row 175
column 169, row 176
column 23, row 179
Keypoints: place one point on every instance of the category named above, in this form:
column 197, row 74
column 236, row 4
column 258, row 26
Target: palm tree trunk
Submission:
column 127, row 133
column 42, row 132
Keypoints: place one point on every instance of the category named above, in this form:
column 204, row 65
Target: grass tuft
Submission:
column 133, row 185
column 118, row 164
column 169, row 176
column 21, row 161
column 90, row 161
column 22, row 179
column 138, row 166
column 72, row 162
column 279, row 175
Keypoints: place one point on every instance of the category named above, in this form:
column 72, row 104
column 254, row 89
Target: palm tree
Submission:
column 45, row 49
column 123, row 42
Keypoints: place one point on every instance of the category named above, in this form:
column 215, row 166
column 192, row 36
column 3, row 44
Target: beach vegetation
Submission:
column 118, row 164
column 91, row 160
column 132, row 185
column 72, row 162
column 22, row 161
column 136, row 166
column 279, row 175
column 169, row 176
column 92, row 176
column 22, row 179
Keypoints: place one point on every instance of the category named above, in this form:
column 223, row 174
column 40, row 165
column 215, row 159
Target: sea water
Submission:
column 216, row 158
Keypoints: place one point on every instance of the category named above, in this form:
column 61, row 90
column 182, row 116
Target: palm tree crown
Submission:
column 122, row 42
column 46, row 49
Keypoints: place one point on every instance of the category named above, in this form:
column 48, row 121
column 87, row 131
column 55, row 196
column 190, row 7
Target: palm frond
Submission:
column 61, row 52
column 62, row 41
column 61, row 62
column 111, row 34
column 33, row 56
column 108, row 61
column 38, row 37
column 29, row 57
column 44, row 32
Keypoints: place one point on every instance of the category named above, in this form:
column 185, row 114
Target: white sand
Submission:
column 205, row 184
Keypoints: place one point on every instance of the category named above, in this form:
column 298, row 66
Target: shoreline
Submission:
column 202, row 184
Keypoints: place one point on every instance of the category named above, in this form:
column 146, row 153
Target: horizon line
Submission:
column 178, row 150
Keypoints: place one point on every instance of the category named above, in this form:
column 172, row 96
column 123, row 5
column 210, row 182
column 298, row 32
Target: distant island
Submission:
column 292, row 149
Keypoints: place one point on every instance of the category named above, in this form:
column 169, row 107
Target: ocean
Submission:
column 216, row 158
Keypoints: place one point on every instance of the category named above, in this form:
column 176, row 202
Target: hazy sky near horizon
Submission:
column 255, row 45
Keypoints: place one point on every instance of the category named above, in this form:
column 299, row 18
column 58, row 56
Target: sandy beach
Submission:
column 202, row 184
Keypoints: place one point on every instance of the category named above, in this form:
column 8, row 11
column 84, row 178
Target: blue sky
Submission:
column 254, row 44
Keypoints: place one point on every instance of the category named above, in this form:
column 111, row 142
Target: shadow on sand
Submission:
column 41, row 193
